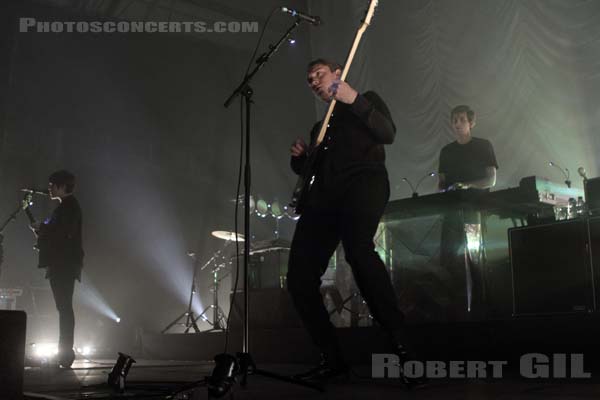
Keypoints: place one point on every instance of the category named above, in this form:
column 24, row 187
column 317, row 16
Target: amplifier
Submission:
column 592, row 195
column 12, row 354
column 267, row 269
column 594, row 226
column 551, row 272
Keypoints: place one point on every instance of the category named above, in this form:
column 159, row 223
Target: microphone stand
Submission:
column 415, row 194
column 567, row 174
column 242, row 364
column 12, row 217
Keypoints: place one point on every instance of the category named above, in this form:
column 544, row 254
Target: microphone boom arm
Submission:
column 261, row 61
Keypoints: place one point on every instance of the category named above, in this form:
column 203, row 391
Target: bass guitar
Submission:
column 38, row 232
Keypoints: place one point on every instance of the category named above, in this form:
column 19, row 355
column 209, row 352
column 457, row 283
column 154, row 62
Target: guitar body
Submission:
column 41, row 242
column 42, row 247
column 306, row 180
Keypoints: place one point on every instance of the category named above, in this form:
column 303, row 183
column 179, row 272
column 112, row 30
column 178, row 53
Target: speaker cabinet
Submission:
column 551, row 272
column 594, row 229
column 12, row 353
column 592, row 195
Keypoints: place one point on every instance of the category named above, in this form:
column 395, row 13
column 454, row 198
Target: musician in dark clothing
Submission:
column 345, row 203
column 467, row 163
column 61, row 253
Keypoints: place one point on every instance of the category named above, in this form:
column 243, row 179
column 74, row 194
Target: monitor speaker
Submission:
column 594, row 226
column 592, row 195
column 12, row 353
column 551, row 272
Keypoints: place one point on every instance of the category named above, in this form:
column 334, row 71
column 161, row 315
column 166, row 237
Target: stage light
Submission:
column 44, row 350
column 276, row 210
column 252, row 204
column 87, row 350
column 290, row 213
column 90, row 296
column 262, row 208
column 223, row 375
column 118, row 375
column 118, row 320
column 292, row 41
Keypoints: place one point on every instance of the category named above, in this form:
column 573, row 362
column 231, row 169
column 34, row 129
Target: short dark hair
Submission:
column 63, row 178
column 463, row 109
column 333, row 66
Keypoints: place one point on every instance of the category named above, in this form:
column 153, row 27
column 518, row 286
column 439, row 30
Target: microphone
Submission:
column 565, row 172
column 314, row 20
column 581, row 172
column 41, row 192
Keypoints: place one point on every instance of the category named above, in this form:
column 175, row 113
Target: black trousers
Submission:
column 318, row 232
column 62, row 290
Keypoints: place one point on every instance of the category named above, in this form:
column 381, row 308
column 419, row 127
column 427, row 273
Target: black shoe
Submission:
column 405, row 354
column 325, row 371
column 66, row 358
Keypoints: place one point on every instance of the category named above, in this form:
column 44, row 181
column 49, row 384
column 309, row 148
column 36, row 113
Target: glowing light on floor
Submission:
column 85, row 350
column 44, row 350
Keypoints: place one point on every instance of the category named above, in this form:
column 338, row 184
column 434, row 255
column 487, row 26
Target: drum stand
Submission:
column 189, row 315
column 219, row 317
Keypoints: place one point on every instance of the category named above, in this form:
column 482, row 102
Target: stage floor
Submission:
column 173, row 361
column 155, row 379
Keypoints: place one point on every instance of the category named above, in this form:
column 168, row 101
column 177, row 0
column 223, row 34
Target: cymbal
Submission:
column 226, row 235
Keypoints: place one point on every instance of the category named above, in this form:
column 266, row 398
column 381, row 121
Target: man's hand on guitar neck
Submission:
column 298, row 148
column 343, row 92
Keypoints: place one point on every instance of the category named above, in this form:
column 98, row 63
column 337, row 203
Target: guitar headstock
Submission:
column 369, row 13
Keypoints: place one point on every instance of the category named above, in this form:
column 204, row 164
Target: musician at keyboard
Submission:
column 468, row 162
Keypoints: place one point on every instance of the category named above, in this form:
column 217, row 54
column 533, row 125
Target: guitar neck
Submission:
column 30, row 216
column 349, row 59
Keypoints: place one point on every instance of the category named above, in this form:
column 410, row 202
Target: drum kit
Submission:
column 220, row 267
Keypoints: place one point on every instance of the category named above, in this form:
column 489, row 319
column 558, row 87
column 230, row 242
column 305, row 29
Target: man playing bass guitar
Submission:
column 344, row 203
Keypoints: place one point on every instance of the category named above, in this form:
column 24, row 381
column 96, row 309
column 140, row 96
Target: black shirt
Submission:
column 352, row 145
column 466, row 162
column 60, row 239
